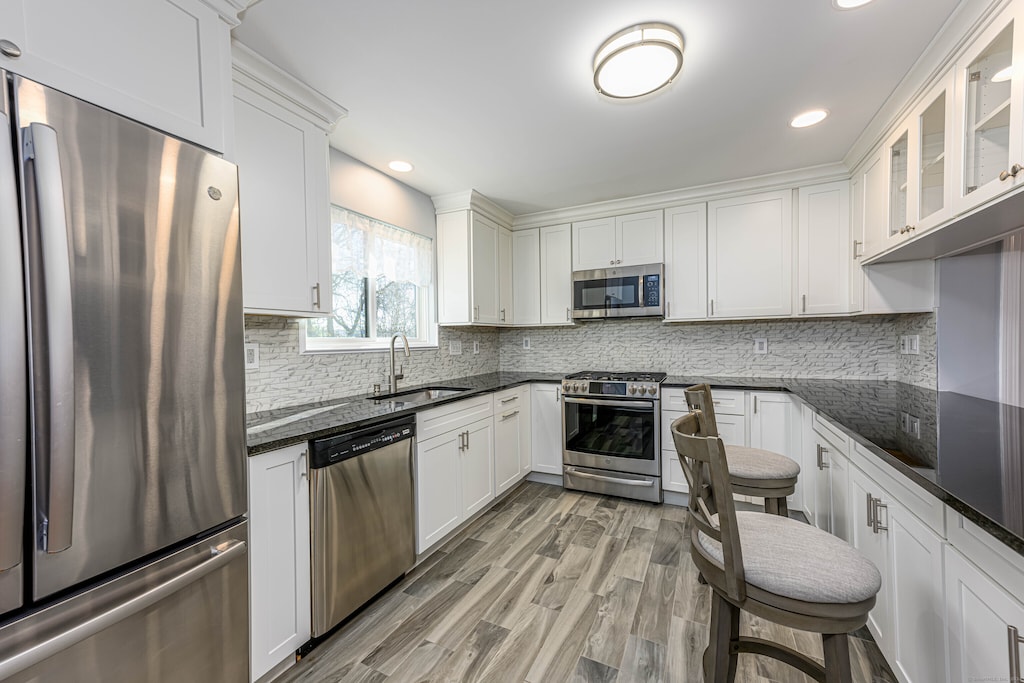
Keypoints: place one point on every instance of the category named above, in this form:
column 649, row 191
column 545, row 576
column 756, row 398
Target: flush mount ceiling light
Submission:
column 849, row 4
column 638, row 60
column 809, row 118
column 400, row 166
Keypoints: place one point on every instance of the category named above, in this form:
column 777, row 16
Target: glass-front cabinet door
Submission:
column 934, row 135
column 899, row 186
column 989, row 108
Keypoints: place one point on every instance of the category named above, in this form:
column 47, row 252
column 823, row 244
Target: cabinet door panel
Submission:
column 979, row 613
column 485, row 270
column 506, row 310
column 526, row 279
column 824, row 249
column 876, row 206
column 546, row 410
column 524, row 406
column 438, row 499
column 639, row 238
column 732, row 429
column 593, row 244
column 507, row 448
column 477, row 466
column 750, row 256
column 875, row 547
column 686, row 262
column 556, row 274
column 857, row 245
column 917, row 594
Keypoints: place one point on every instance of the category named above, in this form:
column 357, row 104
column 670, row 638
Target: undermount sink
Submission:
column 418, row 395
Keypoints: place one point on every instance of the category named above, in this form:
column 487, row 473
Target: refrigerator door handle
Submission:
column 13, row 380
column 55, row 419
column 220, row 556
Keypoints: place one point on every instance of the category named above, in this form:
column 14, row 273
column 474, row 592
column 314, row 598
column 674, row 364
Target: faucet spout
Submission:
column 395, row 376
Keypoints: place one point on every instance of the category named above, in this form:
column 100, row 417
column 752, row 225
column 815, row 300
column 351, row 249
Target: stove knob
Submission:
column 652, row 390
column 632, row 388
column 577, row 387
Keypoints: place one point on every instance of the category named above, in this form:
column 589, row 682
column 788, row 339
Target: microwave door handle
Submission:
column 53, row 336
column 13, row 379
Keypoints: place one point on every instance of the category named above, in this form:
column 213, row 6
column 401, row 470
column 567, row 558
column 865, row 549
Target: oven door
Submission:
column 609, row 434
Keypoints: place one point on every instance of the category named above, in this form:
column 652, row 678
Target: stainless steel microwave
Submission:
column 627, row 292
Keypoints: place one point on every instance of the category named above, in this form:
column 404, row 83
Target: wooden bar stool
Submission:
column 752, row 471
column 780, row 569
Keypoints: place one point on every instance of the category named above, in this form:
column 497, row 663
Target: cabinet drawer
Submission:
column 830, row 433
column 911, row 496
column 443, row 419
column 727, row 401
column 986, row 551
column 510, row 398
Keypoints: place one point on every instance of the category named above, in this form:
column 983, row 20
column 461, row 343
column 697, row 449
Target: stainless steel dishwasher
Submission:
column 363, row 521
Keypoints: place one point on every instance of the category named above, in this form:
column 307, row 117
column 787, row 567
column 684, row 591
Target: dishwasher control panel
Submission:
column 344, row 446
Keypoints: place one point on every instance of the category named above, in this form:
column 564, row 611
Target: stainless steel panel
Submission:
column 182, row 618
column 363, row 530
column 640, row 466
column 153, row 252
column 608, row 462
column 13, row 380
column 613, row 483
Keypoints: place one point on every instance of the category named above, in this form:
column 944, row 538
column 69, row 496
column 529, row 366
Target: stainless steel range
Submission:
column 611, row 433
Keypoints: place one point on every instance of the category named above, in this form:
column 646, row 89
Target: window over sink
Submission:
column 382, row 279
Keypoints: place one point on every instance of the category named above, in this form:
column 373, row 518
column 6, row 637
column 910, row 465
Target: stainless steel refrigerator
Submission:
column 122, row 442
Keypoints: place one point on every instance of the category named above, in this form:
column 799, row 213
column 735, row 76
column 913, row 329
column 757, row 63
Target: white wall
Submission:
column 357, row 187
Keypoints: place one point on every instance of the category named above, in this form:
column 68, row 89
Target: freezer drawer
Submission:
column 181, row 618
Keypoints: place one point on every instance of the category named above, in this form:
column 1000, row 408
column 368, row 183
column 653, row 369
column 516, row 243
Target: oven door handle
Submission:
column 612, row 404
column 647, row 483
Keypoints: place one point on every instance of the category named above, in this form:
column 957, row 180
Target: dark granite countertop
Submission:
column 970, row 453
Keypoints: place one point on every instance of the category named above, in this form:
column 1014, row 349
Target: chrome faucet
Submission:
column 395, row 376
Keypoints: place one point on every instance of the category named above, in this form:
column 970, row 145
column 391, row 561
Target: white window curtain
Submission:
column 370, row 248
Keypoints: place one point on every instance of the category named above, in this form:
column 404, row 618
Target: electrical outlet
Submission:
column 454, row 348
column 526, row 343
column 904, row 344
column 476, row 347
column 760, row 345
column 915, row 427
column 252, row 356
column 914, row 345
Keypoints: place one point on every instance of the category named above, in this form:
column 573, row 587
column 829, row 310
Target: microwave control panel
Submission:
column 652, row 290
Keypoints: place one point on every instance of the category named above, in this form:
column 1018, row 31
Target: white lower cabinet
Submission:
column 875, row 546
column 511, row 437
column 454, row 466
column 546, row 411
column 279, row 555
column 828, row 475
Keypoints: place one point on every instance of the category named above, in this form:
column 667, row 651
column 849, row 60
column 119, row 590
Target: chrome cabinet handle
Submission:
column 1013, row 636
column 509, row 399
column 871, row 512
column 10, row 49
column 503, row 315
column 69, row 636
column 822, row 451
column 1012, row 173
column 567, row 314
column 612, row 262
column 507, row 416
column 755, row 405
column 558, row 394
column 877, row 524
column 804, row 303
column 303, row 468
column 712, row 307
column 668, row 309
column 316, row 295
column 55, row 339
column 857, row 254
column 818, row 447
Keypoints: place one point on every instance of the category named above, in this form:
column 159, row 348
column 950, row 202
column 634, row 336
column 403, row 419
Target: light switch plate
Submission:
column 914, row 345
column 526, row 343
column 252, row 356
column 760, row 345
column 455, row 348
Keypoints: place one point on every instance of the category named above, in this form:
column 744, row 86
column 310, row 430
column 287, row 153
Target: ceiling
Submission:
column 499, row 97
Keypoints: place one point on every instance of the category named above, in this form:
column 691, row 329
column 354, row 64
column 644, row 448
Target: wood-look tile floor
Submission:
column 550, row 586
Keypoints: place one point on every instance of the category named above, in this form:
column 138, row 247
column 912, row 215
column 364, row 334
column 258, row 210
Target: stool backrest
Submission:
column 698, row 398
column 711, row 505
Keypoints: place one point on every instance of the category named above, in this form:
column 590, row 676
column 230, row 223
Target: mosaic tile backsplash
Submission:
column 852, row 348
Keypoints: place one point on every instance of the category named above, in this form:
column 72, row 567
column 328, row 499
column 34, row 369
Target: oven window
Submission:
column 614, row 292
column 610, row 430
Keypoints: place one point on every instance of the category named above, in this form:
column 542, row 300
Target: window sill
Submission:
column 369, row 348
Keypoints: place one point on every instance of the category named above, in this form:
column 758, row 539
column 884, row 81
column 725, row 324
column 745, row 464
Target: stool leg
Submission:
column 771, row 506
column 837, row 658
column 719, row 664
column 783, row 507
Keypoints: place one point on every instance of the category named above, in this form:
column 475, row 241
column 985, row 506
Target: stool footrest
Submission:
column 767, row 648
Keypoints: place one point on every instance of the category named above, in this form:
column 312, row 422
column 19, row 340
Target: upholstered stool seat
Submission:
column 752, row 471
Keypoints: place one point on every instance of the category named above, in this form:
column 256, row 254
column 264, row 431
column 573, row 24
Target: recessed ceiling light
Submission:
column 400, row 166
column 809, row 118
column 849, row 4
column 1003, row 75
column 638, row 60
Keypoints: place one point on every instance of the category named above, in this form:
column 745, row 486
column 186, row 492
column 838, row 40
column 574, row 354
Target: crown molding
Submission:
column 966, row 22
column 255, row 72
column 471, row 199
column 228, row 10
column 662, row 200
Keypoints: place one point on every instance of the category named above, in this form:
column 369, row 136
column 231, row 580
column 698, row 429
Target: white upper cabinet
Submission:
column 686, row 262
column 933, row 130
column 506, row 312
column 284, row 197
column 990, row 96
column 901, row 193
column 166, row 63
column 631, row 240
column 484, row 269
column 556, row 275
column 474, row 276
column 750, row 255
column 854, row 269
column 824, row 249
column 526, row 282
column 874, row 176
